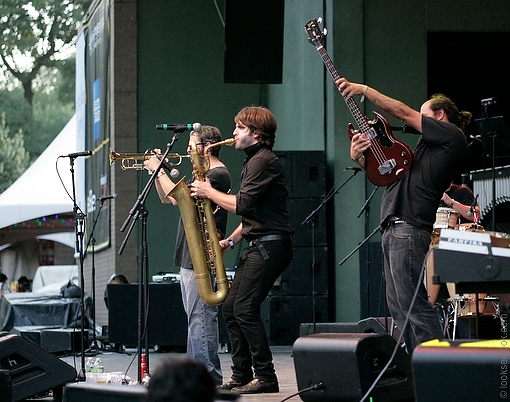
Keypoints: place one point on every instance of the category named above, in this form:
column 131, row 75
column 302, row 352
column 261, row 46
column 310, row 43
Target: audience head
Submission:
column 181, row 380
column 23, row 284
column 114, row 279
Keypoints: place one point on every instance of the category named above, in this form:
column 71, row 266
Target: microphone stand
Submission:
column 136, row 211
column 78, row 226
column 311, row 220
column 366, row 205
column 93, row 348
column 360, row 245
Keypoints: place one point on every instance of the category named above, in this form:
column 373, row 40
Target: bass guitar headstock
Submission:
column 316, row 35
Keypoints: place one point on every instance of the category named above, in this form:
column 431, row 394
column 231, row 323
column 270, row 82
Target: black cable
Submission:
column 399, row 340
column 313, row 387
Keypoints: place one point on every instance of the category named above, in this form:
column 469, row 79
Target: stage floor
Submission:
column 282, row 358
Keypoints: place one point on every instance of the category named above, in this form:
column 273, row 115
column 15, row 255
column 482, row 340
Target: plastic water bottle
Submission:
column 88, row 365
column 98, row 366
column 89, row 375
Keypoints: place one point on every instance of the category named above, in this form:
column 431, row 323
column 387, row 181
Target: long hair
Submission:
column 460, row 118
column 260, row 120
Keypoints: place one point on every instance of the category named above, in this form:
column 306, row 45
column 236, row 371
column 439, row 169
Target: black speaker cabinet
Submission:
column 299, row 279
column 299, row 209
column 5, row 385
column 83, row 392
column 253, row 41
column 305, row 173
column 461, row 370
column 32, row 370
column 347, row 364
column 372, row 285
column 167, row 322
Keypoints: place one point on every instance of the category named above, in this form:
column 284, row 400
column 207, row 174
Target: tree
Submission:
column 14, row 160
column 34, row 34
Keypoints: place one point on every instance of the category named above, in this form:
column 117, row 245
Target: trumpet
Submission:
column 134, row 161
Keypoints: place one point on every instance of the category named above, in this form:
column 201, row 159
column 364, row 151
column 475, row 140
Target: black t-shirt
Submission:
column 437, row 158
column 262, row 198
column 220, row 180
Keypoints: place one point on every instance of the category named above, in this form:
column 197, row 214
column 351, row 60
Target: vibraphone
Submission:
column 482, row 185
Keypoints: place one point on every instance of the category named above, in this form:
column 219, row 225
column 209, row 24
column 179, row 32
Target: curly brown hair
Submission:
column 460, row 118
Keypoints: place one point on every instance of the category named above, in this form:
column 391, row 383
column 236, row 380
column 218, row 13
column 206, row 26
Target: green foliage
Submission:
column 36, row 34
column 51, row 109
column 14, row 160
column 49, row 118
column 38, row 77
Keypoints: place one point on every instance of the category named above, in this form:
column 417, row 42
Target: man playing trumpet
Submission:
column 203, row 337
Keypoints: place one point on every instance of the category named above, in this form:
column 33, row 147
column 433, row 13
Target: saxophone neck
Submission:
column 200, row 162
column 228, row 142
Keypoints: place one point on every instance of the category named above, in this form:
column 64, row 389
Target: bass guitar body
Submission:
column 390, row 159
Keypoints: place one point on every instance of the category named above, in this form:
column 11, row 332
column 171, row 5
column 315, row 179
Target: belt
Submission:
column 258, row 243
column 394, row 220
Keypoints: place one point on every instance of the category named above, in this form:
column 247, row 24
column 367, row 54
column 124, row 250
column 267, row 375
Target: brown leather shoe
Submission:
column 258, row 386
column 232, row 384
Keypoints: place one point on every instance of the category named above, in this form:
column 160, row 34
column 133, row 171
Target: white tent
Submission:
column 39, row 192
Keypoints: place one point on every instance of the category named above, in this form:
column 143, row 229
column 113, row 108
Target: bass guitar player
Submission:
column 408, row 206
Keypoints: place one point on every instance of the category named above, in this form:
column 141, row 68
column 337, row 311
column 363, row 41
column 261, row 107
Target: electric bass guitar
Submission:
column 387, row 159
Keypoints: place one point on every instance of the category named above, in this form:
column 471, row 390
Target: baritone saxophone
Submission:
column 201, row 234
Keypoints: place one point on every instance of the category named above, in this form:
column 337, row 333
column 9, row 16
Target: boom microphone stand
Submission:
column 138, row 210
column 79, row 218
column 94, row 348
column 310, row 219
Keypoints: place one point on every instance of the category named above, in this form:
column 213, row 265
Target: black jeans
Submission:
column 253, row 280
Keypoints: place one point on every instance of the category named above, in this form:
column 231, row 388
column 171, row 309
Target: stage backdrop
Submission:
column 95, row 35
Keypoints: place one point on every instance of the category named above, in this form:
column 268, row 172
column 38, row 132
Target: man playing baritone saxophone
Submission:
column 203, row 336
column 262, row 204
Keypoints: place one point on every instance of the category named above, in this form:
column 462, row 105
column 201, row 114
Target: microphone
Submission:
column 488, row 101
column 77, row 154
column 107, row 197
column 356, row 169
column 179, row 127
column 473, row 206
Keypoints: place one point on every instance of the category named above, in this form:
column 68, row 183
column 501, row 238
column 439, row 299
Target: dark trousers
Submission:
column 404, row 249
column 253, row 280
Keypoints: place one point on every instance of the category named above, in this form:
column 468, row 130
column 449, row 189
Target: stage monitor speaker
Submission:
column 253, row 41
column 83, row 392
column 5, row 385
column 32, row 370
column 461, row 370
column 346, row 365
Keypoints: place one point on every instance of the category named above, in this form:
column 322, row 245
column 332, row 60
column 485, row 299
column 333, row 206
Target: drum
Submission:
column 471, row 227
column 433, row 288
column 486, row 305
column 446, row 218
